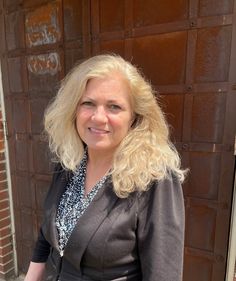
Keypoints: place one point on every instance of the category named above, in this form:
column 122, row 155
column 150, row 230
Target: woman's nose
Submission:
column 99, row 115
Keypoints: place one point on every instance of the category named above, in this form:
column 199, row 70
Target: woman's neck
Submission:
column 98, row 165
column 99, row 159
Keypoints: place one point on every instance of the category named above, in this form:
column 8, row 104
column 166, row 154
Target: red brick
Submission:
column 5, row 250
column 9, row 275
column 2, row 146
column 5, row 231
column 2, row 166
column 3, row 176
column 6, row 240
column 7, row 258
column 6, row 267
column 2, row 156
column 5, row 213
column 4, row 204
column 5, row 222
column 3, row 185
column 3, row 195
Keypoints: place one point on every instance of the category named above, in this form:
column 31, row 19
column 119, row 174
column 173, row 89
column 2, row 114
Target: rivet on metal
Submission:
column 185, row 146
column 189, row 88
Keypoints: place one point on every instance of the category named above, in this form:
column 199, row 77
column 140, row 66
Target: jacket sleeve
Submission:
column 41, row 249
column 161, row 222
column 42, row 246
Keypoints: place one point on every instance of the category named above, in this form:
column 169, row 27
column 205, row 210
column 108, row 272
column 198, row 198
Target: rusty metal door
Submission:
column 184, row 47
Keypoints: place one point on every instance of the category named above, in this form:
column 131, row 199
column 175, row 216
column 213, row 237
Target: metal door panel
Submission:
column 151, row 12
column 111, row 15
column 42, row 25
column 44, row 71
column 215, row 7
column 166, row 52
column 72, row 12
column 41, row 155
column 14, row 22
column 200, row 225
column 22, row 153
column 208, row 117
column 20, row 115
column 113, row 46
column 15, row 70
column 37, row 108
column 212, row 54
column 203, row 180
column 200, row 269
column 41, row 187
column 76, row 32
column 25, row 194
column 173, row 105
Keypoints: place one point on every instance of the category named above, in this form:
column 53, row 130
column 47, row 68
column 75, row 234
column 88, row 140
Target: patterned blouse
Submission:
column 74, row 203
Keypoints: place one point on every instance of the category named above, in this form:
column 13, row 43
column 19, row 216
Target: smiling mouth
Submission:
column 98, row 131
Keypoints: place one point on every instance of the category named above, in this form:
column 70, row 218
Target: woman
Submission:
column 114, row 210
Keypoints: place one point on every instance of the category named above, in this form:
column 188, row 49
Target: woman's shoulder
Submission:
column 58, row 175
column 60, row 171
column 168, row 182
column 168, row 190
column 57, row 168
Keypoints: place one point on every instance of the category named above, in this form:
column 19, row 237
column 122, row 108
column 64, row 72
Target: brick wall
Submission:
column 6, row 249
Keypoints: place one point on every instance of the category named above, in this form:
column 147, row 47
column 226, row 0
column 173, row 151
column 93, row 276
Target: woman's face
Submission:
column 104, row 114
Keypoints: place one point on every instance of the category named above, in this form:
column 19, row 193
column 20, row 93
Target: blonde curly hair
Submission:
column 144, row 155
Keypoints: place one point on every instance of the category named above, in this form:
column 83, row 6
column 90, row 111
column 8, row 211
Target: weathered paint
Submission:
column 42, row 26
column 44, row 64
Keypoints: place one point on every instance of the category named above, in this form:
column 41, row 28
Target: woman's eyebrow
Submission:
column 87, row 97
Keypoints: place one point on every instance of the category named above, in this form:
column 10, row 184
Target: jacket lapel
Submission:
column 89, row 222
column 51, row 204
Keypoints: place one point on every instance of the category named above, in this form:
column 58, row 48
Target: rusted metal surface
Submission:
column 44, row 64
column 14, row 23
column 213, row 54
column 173, row 105
column 42, row 26
column 15, row 68
column 166, row 52
column 111, row 15
column 44, row 72
column 216, row 7
column 72, row 19
column 156, row 12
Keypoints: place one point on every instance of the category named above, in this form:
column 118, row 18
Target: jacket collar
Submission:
column 87, row 224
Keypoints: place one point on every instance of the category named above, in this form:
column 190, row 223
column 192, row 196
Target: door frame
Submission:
column 231, row 255
column 231, row 259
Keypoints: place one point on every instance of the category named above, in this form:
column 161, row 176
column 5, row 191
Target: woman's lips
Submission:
column 98, row 131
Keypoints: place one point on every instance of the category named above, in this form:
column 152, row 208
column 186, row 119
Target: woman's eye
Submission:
column 114, row 107
column 87, row 103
